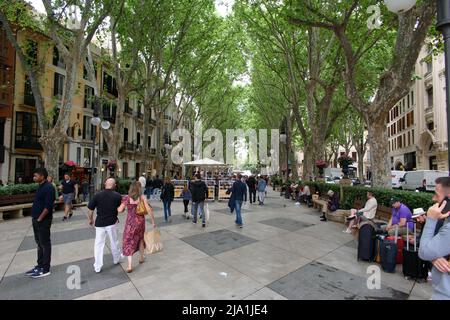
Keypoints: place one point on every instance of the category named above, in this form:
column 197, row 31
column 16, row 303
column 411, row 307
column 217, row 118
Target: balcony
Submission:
column 140, row 115
column 167, row 117
column 152, row 151
column 128, row 147
column 28, row 99
column 152, row 122
column 27, row 142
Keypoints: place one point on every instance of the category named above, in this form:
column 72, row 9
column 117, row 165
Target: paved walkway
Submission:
column 283, row 252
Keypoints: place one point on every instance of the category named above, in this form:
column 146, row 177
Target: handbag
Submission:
column 141, row 210
column 152, row 241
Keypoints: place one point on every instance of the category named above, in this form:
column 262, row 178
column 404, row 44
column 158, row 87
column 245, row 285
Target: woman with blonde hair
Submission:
column 133, row 236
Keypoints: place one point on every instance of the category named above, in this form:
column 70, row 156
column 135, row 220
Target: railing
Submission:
column 27, row 142
column 140, row 115
column 28, row 99
column 129, row 147
column 152, row 122
column 153, row 151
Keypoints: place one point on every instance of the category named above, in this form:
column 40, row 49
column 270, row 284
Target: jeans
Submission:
column 261, row 195
column 85, row 195
column 167, row 211
column 238, row 207
column 100, row 238
column 186, row 203
column 42, row 238
column 195, row 207
column 252, row 195
column 149, row 192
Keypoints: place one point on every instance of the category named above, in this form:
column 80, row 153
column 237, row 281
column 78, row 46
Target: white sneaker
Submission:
column 346, row 231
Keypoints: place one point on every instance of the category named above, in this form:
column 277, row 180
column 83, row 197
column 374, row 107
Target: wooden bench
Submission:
column 17, row 209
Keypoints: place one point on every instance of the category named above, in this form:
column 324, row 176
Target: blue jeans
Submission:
column 167, row 211
column 149, row 192
column 195, row 207
column 237, row 207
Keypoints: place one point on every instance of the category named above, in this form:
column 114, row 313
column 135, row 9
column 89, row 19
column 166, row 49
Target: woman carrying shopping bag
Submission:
column 133, row 237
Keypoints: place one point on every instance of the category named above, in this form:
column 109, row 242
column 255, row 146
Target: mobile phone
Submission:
column 447, row 206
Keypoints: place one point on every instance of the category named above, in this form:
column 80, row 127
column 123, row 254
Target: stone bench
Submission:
column 338, row 215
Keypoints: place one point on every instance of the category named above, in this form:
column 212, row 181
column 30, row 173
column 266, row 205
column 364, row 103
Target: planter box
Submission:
column 16, row 199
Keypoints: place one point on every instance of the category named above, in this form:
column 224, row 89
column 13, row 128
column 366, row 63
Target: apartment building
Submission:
column 417, row 126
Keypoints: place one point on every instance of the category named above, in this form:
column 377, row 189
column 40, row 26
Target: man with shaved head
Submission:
column 106, row 202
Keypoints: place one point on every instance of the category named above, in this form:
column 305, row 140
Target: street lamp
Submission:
column 399, row 6
column 105, row 124
column 443, row 25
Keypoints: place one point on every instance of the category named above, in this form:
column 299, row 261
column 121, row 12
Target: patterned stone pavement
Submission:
column 283, row 252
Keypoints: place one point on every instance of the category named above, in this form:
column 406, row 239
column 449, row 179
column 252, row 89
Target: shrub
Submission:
column 123, row 186
column 351, row 194
column 13, row 189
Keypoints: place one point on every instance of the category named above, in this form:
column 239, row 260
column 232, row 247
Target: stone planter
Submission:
column 16, row 199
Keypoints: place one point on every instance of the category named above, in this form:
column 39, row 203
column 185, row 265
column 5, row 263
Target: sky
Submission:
column 223, row 7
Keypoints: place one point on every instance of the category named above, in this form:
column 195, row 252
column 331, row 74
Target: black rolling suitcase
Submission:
column 413, row 266
column 366, row 243
column 388, row 254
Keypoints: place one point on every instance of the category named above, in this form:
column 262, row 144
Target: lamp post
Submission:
column 443, row 25
column 105, row 124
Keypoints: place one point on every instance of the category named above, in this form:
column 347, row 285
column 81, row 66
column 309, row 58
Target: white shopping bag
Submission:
column 206, row 212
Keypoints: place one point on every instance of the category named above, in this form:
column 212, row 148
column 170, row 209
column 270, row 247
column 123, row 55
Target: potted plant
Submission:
column 321, row 164
column 112, row 165
column 345, row 162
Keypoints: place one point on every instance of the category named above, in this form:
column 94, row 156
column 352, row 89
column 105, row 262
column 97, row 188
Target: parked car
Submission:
column 396, row 177
column 413, row 179
column 329, row 180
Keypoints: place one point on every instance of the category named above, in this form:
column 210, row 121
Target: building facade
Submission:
column 417, row 125
column 20, row 150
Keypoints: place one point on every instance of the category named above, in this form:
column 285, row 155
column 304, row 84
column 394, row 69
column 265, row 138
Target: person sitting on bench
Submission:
column 364, row 214
column 401, row 218
column 331, row 206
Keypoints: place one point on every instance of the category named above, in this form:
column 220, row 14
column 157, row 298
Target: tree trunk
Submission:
column 307, row 164
column 379, row 148
column 52, row 143
column 361, row 166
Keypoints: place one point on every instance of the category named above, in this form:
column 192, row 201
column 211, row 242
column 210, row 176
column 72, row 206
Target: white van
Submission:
column 396, row 177
column 413, row 179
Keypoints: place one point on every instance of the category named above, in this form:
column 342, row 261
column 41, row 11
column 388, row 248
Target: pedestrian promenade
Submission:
column 283, row 252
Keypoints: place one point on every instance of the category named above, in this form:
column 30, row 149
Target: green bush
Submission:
column 123, row 186
column 13, row 189
column 351, row 194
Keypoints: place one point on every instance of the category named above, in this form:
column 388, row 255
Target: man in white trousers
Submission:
column 106, row 202
column 261, row 190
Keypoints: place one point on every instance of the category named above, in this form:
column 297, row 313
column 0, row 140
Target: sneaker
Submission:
column 323, row 219
column 194, row 222
column 70, row 215
column 31, row 271
column 203, row 225
column 40, row 274
column 346, row 231
column 64, row 218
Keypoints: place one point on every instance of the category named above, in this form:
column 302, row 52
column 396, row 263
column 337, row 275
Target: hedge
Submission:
column 123, row 186
column 351, row 194
column 13, row 189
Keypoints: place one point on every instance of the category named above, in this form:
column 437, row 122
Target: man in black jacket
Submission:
column 199, row 191
column 239, row 193
column 251, row 183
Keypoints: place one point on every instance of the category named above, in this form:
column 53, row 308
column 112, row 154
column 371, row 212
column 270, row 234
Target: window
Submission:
column 430, row 97
column 78, row 155
column 88, row 128
column 3, row 44
column 125, row 134
column 342, row 154
column 58, row 85
column 58, row 60
column 87, row 157
column 27, row 131
column 25, row 169
column 429, row 66
column 89, row 97
column 31, row 52
column 4, row 84
column 125, row 170
column 412, row 98
column 138, row 138
column 409, row 138
column 109, row 84
column 28, row 97
column 409, row 102
column 412, row 138
column 430, row 126
column 149, row 142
